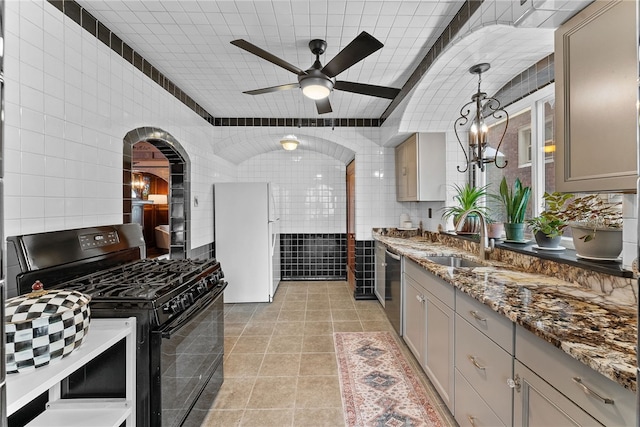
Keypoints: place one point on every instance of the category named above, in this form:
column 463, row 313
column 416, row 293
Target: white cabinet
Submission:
column 23, row 387
column 484, row 363
column 380, row 271
column 596, row 69
column 428, row 326
column 602, row 399
column 420, row 168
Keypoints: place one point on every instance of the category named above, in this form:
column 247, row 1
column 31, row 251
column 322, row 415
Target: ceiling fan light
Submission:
column 316, row 88
column 289, row 142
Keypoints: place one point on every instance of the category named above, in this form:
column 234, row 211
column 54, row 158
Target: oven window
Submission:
column 189, row 358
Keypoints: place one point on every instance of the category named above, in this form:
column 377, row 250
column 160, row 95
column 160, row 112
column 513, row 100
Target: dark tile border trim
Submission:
column 87, row 21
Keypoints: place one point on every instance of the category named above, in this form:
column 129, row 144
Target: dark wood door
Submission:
column 351, row 224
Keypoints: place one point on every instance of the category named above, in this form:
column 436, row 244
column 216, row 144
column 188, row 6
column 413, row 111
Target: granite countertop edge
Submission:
column 579, row 322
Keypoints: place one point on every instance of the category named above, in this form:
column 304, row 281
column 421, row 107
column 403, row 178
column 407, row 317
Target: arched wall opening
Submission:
column 179, row 184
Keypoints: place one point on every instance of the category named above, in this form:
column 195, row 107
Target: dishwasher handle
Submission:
column 392, row 255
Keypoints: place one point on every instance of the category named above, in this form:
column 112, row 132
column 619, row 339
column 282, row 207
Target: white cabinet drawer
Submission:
column 471, row 410
column 496, row 326
column 563, row 372
column 486, row 366
column 442, row 290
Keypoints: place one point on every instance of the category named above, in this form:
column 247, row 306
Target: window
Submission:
column 524, row 143
column 529, row 149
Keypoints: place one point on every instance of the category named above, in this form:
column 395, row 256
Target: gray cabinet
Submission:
column 380, row 271
column 596, row 72
column 483, row 363
column 420, row 168
column 557, row 375
column 429, row 327
column 539, row 404
column 415, row 327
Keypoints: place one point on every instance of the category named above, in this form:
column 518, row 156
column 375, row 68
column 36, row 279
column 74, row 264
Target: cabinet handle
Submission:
column 404, row 171
column 473, row 360
column 420, row 298
column 477, row 316
column 472, row 420
column 514, row 382
column 590, row 392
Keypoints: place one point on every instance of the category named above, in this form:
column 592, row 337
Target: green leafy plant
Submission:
column 467, row 197
column 514, row 200
column 551, row 221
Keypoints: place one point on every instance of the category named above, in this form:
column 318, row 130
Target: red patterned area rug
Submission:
column 378, row 385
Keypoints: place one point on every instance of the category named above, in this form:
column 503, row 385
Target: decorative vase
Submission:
column 495, row 230
column 545, row 241
column 514, row 231
column 605, row 244
column 471, row 225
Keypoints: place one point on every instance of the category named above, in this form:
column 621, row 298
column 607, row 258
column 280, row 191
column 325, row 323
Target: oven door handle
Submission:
column 201, row 304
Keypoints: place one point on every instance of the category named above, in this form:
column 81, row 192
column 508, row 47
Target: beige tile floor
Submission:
column 280, row 366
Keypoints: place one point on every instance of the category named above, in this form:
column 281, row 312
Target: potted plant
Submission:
column 467, row 197
column 515, row 201
column 596, row 226
column 548, row 227
column 495, row 228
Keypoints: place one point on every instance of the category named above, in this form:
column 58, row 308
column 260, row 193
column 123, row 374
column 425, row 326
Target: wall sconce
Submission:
column 478, row 129
column 289, row 142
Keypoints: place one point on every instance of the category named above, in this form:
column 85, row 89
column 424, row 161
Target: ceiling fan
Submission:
column 317, row 82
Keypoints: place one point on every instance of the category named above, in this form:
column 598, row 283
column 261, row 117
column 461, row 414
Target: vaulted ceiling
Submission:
column 189, row 42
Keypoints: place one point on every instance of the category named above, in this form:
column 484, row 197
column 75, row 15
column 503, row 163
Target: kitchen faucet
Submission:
column 486, row 244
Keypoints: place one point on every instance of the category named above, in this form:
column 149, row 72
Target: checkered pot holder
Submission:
column 41, row 328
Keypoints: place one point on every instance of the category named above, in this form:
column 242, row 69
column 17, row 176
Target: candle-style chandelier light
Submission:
column 484, row 107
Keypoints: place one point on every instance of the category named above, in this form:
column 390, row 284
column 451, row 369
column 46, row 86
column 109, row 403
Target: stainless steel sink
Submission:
column 454, row 261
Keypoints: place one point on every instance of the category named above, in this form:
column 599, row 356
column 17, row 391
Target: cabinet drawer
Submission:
column 486, row 366
column 494, row 325
column 562, row 371
column 442, row 290
column 471, row 410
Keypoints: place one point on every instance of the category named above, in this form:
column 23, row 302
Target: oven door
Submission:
column 190, row 350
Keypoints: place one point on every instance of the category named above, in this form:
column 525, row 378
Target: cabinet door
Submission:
column 537, row 404
column 596, row 73
column 438, row 359
column 407, row 170
column 414, row 317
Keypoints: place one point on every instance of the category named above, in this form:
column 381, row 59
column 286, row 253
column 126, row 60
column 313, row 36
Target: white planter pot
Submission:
column 606, row 243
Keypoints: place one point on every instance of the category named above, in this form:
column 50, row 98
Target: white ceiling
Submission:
column 189, row 42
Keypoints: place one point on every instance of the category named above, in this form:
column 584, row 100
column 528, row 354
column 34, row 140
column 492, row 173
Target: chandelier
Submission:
column 478, row 144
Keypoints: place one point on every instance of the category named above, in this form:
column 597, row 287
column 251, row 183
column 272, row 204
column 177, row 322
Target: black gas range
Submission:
column 178, row 304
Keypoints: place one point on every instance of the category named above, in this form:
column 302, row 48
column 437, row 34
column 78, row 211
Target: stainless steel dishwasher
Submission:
column 393, row 290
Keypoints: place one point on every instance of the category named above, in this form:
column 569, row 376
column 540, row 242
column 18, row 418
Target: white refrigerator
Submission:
column 247, row 241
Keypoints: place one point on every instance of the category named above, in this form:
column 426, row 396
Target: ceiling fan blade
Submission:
column 359, row 48
column 323, row 105
column 365, row 89
column 273, row 89
column 249, row 47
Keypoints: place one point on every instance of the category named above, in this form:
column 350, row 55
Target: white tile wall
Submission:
column 69, row 102
column 309, row 189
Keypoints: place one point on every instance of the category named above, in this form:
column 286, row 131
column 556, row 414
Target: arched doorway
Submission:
column 179, row 184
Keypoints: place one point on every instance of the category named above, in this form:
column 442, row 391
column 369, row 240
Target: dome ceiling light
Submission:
column 289, row 142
